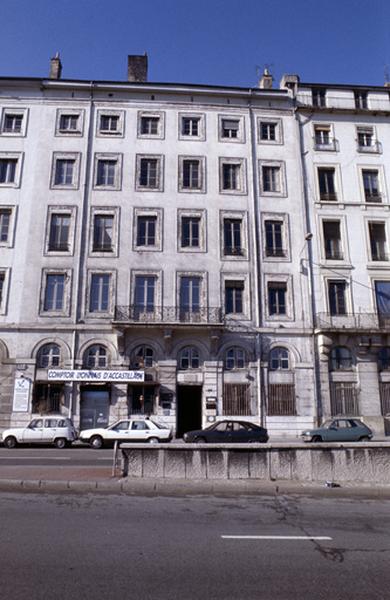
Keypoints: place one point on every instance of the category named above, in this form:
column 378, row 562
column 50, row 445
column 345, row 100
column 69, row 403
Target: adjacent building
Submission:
column 193, row 252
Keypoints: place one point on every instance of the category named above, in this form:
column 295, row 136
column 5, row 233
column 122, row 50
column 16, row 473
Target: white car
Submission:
column 54, row 429
column 127, row 430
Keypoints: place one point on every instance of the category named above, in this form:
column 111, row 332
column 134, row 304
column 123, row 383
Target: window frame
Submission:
column 66, row 210
column 110, row 212
column 18, row 158
column 75, row 158
column 279, row 280
column 67, row 292
column 337, row 194
column 273, row 164
column 278, row 131
column 381, row 196
column 156, row 213
column 346, row 297
column 157, row 275
column 101, row 312
column 193, row 355
column 183, row 213
column 240, row 139
column 241, row 190
column 201, row 136
column 14, row 111
column 72, row 112
column 119, row 114
column 283, row 219
column 201, row 160
column 159, row 187
column 5, row 276
column 115, row 158
column 160, row 115
column 385, row 257
column 12, row 210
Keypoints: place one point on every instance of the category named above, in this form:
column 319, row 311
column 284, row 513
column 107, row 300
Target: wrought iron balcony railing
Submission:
column 165, row 315
column 359, row 321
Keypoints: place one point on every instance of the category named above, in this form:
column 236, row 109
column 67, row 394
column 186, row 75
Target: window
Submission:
column 236, row 400
column 378, row 244
column 146, row 230
column 230, row 128
column 12, row 123
column 95, row 357
column 99, row 295
column 191, row 174
column 8, row 169
column 189, row 296
column 384, row 359
column 235, row 358
column 54, row 292
column 65, row 170
column 46, row 399
column 106, row 173
column 69, row 123
column 274, row 238
column 232, row 176
column 143, row 357
column 49, row 356
column 109, row 124
column 277, row 293
column 59, row 232
column 323, row 138
column 2, row 289
column 360, row 99
column 232, row 236
column 190, row 232
column 151, row 125
column 103, row 226
column 269, row 131
column 190, row 126
column 281, row 399
column 149, row 172
column 189, row 358
column 234, row 297
column 371, row 185
column 144, row 293
column 326, row 182
column 366, row 140
column 382, row 296
column 340, row 359
column 332, row 240
column 271, row 179
column 5, row 223
column 279, row 359
column 337, row 297
column 318, row 97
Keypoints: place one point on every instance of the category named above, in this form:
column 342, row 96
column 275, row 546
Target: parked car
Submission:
column 228, row 432
column 54, row 429
column 339, row 430
column 127, row 430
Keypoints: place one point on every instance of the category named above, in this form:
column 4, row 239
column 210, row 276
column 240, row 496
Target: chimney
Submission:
column 137, row 68
column 55, row 67
column 290, row 82
column 266, row 81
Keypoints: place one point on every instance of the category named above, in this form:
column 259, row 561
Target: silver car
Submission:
column 53, row 429
column 339, row 430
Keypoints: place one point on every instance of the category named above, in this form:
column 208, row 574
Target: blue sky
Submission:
column 221, row 42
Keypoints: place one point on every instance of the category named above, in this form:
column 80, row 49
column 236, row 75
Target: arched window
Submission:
column 279, row 359
column 95, row 357
column 384, row 358
column 340, row 359
column 235, row 358
column 143, row 356
column 49, row 356
column 189, row 358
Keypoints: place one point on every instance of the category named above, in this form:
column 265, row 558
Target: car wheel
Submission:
column 10, row 442
column 96, row 442
column 200, row 440
column 316, row 438
column 153, row 440
column 60, row 443
column 364, row 438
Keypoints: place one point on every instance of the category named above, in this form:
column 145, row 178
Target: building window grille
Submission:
column 236, row 400
column 281, row 399
column 47, row 398
column 344, row 399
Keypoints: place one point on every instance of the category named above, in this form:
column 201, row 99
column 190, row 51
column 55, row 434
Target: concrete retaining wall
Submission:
column 364, row 462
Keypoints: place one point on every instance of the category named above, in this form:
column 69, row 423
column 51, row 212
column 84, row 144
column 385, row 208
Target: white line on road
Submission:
column 275, row 537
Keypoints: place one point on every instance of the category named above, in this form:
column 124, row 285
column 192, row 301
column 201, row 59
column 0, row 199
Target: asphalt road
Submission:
column 81, row 456
column 241, row 548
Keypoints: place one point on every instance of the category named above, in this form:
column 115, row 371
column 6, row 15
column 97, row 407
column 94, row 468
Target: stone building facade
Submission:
column 176, row 231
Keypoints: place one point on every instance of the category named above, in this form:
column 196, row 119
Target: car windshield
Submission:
column 158, row 425
column 327, row 424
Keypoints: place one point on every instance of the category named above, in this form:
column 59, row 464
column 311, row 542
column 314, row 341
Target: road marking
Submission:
column 276, row 537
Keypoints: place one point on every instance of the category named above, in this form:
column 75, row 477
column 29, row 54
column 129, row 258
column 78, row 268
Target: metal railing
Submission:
column 169, row 315
column 353, row 321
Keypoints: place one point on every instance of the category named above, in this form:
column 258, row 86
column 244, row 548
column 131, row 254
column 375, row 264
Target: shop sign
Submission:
column 95, row 376
column 21, row 394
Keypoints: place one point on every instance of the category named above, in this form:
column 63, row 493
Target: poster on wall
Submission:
column 21, row 394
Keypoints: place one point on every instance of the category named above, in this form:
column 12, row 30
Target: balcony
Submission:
column 370, row 147
column 325, row 144
column 353, row 321
column 168, row 316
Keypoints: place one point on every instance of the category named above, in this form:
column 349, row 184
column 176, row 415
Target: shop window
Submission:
column 49, row 356
column 47, row 398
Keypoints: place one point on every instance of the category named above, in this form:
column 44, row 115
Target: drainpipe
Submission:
column 309, row 248
column 256, row 262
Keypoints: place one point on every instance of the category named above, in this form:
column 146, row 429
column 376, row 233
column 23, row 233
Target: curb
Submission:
column 182, row 487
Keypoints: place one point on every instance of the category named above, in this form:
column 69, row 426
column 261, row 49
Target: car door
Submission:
column 120, row 431
column 139, row 431
column 239, row 433
column 34, row 432
column 221, row 433
column 49, row 431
